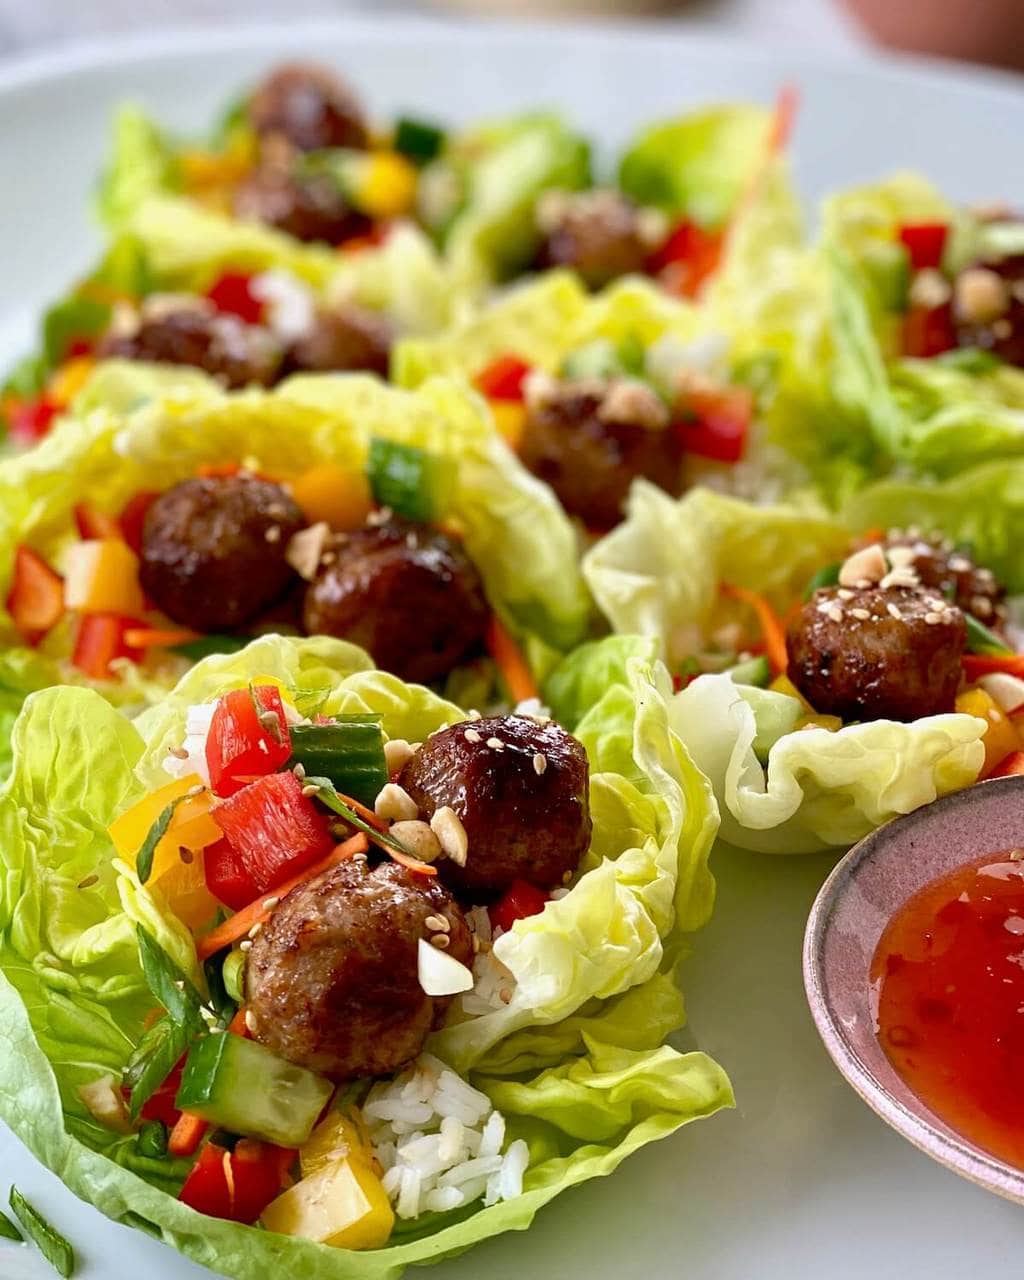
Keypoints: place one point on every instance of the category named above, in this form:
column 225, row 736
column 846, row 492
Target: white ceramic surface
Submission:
column 802, row 1180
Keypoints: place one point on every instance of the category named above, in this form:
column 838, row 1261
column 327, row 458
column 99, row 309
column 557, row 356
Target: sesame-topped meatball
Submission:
column 342, row 340
column 988, row 308
column 213, row 550
column 310, row 207
column 332, row 978
column 310, row 106
column 589, row 438
column 600, row 234
column 519, row 786
column 235, row 353
column 949, row 572
column 407, row 593
column 877, row 653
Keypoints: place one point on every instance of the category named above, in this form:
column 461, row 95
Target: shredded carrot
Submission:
column 787, row 103
column 238, row 1026
column 772, row 630
column 153, row 1016
column 410, row 863
column 367, row 815
column 186, row 1135
column 379, row 825
column 155, row 638
column 213, row 469
column 983, row 664
column 238, row 925
column 509, row 660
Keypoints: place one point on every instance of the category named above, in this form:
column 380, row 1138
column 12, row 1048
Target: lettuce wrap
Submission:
column 140, row 427
column 657, row 579
column 931, row 416
column 577, row 1061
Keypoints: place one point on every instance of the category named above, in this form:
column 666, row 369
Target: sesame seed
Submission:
column 270, row 903
column 476, row 945
column 299, row 770
column 844, row 593
column 1017, row 855
column 933, row 619
column 986, row 575
column 179, row 753
column 863, row 583
column 245, row 945
column 567, row 878
column 411, row 541
column 959, row 564
column 540, row 763
column 359, row 857
column 505, row 995
column 471, row 735
column 197, row 790
column 254, row 932
column 439, row 924
column 496, row 744
column 981, row 605
column 88, row 882
column 835, row 613
column 311, row 790
column 250, row 1020
column 894, row 611
column 186, row 855
column 473, row 714
column 328, row 557
column 440, row 940
column 861, row 615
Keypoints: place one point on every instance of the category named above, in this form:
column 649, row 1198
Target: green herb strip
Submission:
column 981, row 640
column 51, row 1244
column 328, row 796
column 170, row 986
column 144, row 862
column 155, row 1057
column 8, row 1231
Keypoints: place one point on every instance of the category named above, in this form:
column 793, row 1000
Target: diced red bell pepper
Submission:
column 687, row 258
column 274, row 828
column 36, row 598
column 240, row 746
column 79, row 347
column 503, row 378
column 32, row 419
column 226, row 876
column 928, row 331
column 232, row 293
column 95, row 524
column 236, row 1185
column 160, row 1106
column 133, row 517
column 101, row 639
column 720, row 423
column 520, row 899
column 925, row 241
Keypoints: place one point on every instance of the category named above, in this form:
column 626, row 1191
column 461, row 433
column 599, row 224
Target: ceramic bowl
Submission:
column 852, row 909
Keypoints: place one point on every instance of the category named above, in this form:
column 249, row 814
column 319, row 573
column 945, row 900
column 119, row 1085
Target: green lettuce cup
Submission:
column 925, row 318
column 142, row 429
column 677, row 581
column 575, row 1062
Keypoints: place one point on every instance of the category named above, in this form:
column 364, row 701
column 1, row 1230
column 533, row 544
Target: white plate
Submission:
column 802, row 1181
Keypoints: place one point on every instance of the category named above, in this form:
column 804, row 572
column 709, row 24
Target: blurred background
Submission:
column 982, row 31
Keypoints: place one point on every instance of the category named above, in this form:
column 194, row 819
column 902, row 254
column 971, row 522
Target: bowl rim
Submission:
column 932, row 1136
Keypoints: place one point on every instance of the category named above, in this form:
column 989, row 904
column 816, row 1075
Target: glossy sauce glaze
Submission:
column 949, row 970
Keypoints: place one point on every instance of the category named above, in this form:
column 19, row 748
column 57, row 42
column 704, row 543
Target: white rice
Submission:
column 440, row 1142
column 197, row 726
column 290, row 304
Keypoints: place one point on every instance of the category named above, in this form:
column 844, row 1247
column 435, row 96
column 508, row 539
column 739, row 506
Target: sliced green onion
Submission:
column 412, row 482
column 328, row 796
column 981, row 640
column 756, row 672
column 51, row 1244
column 419, row 140
column 233, row 974
column 826, row 577
column 8, row 1231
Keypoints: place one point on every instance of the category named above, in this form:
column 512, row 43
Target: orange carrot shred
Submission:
column 157, row 638
column 772, row 630
column 186, row 1135
column 509, row 660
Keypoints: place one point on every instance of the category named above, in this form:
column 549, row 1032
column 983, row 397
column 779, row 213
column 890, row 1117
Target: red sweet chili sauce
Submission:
column 950, row 975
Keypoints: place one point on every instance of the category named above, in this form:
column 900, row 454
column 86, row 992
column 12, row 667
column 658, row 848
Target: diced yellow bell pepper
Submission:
column 386, row 185
column 510, row 419
column 340, row 496
column 191, row 826
column 101, row 575
column 831, row 723
column 183, row 886
column 783, row 684
column 70, row 378
column 335, row 1138
column 1000, row 737
column 343, row 1205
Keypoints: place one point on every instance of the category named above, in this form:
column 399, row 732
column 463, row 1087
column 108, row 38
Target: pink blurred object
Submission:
column 988, row 31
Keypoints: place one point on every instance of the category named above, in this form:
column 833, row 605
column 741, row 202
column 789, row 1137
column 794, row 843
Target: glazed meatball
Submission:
column 520, row 788
column 308, row 105
column 953, row 574
column 332, row 978
column 590, row 439
column 988, row 308
column 406, row 593
column 351, row 338
column 235, row 353
column 875, row 653
column 213, row 550
column 599, row 234
column 310, row 207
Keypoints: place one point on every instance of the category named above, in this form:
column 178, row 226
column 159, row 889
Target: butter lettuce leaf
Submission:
column 578, row 1063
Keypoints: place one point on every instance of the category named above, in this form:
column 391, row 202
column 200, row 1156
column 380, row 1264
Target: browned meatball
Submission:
column 310, row 207
column 408, row 594
column 213, row 550
column 599, row 234
column 988, row 308
column 520, row 788
column 347, row 339
column 953, row 574
column 308, row 105
column 877, row 653
column 589, row 440
column 222, row 345
column 332, row 978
